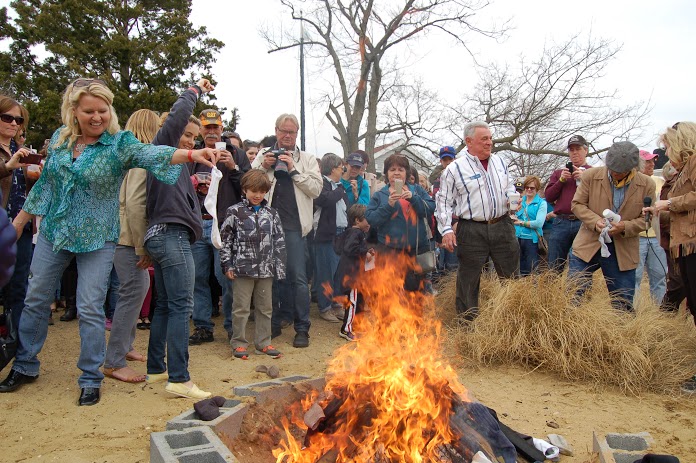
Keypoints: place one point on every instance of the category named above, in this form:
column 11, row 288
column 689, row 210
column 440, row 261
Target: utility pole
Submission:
column 302, row 98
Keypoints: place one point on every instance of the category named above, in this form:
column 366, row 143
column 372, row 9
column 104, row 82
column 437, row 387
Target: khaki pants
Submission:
column 262, row 290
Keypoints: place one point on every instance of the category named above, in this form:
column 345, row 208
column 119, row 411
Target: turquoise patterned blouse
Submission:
column 79, row 200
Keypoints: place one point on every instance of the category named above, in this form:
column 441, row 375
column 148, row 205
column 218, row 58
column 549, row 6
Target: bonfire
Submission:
column 390, row 396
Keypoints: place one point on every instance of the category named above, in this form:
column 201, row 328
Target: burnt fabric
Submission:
column 209, row 409
column 479, row 431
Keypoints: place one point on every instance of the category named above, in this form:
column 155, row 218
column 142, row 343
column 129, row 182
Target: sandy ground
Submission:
column 42, row 422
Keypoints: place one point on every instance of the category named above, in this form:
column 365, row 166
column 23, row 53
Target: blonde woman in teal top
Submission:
column 77, row 197
column 529, row 223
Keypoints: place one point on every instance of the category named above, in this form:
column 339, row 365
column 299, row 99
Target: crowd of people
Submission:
column 175, row 211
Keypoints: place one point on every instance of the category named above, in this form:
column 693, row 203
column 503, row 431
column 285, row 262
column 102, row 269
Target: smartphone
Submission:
column 32, row 158
column 569, row 166
column 398, row 185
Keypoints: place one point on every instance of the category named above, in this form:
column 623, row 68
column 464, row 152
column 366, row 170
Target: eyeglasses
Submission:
column 530, row 188
column 82, row 82
column 8, row 118
column 287, row 132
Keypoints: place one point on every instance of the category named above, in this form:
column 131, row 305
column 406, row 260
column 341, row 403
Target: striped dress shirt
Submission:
column 470, row 192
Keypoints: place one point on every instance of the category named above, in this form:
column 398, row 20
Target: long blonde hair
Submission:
column 144, row 124
column 71, row 99
column 680, row 139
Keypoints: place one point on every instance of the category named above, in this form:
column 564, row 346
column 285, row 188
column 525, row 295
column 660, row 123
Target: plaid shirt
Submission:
column 253, row 242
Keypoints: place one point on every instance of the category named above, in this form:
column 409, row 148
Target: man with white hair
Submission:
column 475, row 187
column 295, row 182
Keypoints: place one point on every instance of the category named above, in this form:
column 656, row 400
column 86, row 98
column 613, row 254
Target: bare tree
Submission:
column 358, row 41
column 535, row 108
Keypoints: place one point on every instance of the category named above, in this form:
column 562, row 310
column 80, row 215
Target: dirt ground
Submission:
column 42, row 422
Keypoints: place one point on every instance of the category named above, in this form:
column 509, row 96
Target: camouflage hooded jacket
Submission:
column 253, row 243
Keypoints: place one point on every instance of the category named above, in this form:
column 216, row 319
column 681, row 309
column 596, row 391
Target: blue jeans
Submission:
column 325, row 264
column 561, row 240
column 447, row 260
column 93, row 278
column 652, row 256
column 621, row 284
column 529, row 256
column 174, row 281
column 14, row 292
column 205, row 255
column 291, row 296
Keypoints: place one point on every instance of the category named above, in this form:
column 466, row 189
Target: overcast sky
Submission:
column 655, row 62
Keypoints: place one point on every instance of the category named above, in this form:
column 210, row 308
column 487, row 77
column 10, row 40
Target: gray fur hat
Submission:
column 622, row 157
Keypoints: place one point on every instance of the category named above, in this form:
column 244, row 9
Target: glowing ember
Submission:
column 390, row 394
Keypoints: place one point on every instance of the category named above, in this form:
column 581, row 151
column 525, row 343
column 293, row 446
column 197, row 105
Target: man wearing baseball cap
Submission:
column 651, row 255
column 619, row 188
column 559, row 192
column 446, row 260
column 233, row 164
column 357, row 188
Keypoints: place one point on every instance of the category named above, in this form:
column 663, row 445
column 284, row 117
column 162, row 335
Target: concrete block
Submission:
column 190, row 418
column 621, row 448
column 195, row 444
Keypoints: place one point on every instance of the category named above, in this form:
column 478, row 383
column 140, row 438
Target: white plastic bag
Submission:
column 210, row 204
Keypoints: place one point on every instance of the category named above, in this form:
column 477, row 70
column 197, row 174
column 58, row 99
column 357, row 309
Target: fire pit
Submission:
column 390, row 396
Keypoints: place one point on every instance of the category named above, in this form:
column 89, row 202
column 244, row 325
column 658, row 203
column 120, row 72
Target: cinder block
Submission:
column 621, row 448
column 195, row 444
column 190, row 418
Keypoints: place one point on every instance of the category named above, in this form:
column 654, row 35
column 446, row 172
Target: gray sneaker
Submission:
column 329, row 316
column 339, row 312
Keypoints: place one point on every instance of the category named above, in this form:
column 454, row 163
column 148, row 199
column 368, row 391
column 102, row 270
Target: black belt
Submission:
column 567, row 216
column 487, row 222
column 207, row 217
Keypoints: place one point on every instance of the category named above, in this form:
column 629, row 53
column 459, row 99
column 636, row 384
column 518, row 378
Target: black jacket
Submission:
column 352, row 246
column 326, row 227
column 175, row 203
column 230, row 189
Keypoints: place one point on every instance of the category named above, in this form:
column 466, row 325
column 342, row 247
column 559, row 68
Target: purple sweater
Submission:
column 560, row 194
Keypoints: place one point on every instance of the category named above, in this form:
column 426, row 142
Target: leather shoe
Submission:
column 301, row 340
column 14, row 380
column 89, row 396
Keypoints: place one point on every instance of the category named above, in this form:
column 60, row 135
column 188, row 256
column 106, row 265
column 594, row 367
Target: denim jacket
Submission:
column 253, row 242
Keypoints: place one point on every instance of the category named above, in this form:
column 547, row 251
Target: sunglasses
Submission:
column 8, row 118
column 82, row 82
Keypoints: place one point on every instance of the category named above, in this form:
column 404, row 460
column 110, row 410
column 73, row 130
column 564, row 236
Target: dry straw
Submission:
column 535, row 322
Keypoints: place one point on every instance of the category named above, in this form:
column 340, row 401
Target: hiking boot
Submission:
column 201, row 335
column 284, row 324
column 689, row 386
column 241, row 353
column 301, row 340
column 270, row 351
column 347, row 336
column 329, row 316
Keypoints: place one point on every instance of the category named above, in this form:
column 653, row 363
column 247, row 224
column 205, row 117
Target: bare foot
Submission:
column 125, row 374
column 136, row 356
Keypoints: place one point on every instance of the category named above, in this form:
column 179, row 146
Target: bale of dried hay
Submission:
column 537, row 323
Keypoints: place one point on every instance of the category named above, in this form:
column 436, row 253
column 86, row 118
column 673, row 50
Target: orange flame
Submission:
column 395, row 390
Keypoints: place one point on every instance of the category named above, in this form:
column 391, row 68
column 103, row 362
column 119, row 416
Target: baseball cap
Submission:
column 355, row 159
column 647, row 155
column 577, row 140
column 448, row 151
column 210, row 117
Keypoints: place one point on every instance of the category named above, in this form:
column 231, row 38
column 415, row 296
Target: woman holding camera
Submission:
column 399, row 212
column 529, row 222
column 15, row 184
column 77, row 196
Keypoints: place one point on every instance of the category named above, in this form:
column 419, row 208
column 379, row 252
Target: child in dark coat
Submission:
column 353, row 248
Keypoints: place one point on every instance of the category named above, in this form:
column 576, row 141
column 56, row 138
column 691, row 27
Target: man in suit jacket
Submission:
column 619, row 187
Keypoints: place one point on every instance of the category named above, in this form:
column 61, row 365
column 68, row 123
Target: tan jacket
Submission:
column 131, row 207
column 307, row 182
column 682, row 212
column 593, row 196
